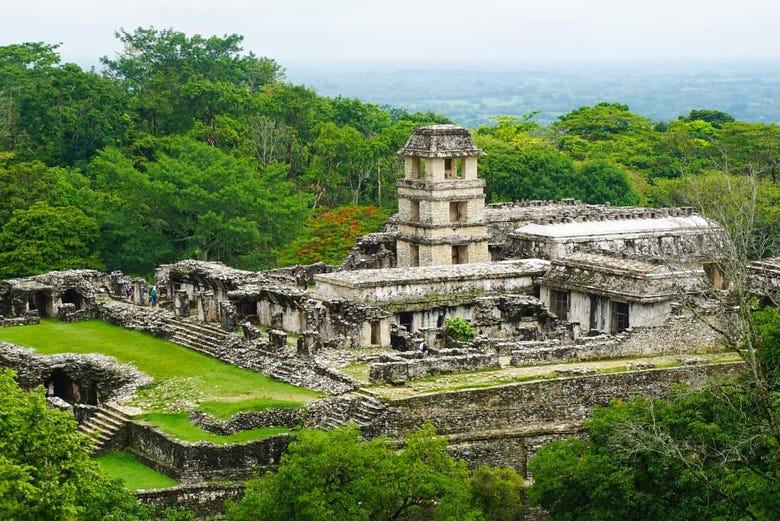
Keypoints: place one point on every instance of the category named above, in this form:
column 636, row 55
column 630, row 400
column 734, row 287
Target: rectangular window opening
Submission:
column 559, row 303
column 619, row 317
column 414, row 255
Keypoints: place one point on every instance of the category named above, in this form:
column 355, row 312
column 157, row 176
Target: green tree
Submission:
column 599, row 182
column 535, row 171
column 189, row 199
column 45, row 470
column 333, row 475
column 24, row 183
column 56, row 112
column 716, row 118
column 176, row 80
column 329, row 236
column 44, row 238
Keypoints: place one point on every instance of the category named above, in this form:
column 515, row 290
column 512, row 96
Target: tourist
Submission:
column 50, row 391
column 306, row 281
column 153, row 296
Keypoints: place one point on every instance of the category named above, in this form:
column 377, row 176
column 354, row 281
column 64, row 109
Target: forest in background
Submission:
column 472, row 93
column 188, row 147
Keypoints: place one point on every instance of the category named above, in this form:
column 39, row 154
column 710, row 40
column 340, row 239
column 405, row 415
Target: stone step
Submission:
column 101, row 428
column 206, row 330
column 182, row 337
column 210, row 334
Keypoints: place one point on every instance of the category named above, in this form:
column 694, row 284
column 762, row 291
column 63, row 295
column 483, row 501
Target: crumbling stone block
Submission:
column 309, row 343
column 277, row 339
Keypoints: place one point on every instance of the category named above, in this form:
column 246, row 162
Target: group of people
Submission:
column 303, row 279
column 128, row 290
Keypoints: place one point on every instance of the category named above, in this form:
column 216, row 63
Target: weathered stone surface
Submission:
column 90, row 378
column 206, row 500
column 198, row 462
column 47, row 292
column 401, row 367
column 440, row 141
column 678, row 334
column 247, row 420
column 30, row 318
column 539, row 405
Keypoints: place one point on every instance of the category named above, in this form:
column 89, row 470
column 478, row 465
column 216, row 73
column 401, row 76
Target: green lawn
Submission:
column 135, row 475
column 184, row 379
column 179, row 426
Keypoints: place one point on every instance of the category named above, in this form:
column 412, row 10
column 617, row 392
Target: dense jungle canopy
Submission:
column 189, row 147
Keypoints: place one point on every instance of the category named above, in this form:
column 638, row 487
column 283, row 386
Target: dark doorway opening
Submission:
column 42, row 301
column 405, row 320
column 72, row 296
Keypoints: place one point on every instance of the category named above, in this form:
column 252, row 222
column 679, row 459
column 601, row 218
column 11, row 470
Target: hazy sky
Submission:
column 292, row 31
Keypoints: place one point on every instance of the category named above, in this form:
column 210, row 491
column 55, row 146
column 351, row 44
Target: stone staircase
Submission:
column 200, row 337
column 105, row 425
column 365, row 408
column 359, row 407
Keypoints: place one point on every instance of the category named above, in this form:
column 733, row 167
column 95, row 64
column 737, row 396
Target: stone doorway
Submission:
column 43, row 303
column 72, row 296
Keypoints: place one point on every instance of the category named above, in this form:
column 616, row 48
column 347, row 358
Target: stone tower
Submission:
column 441, row 202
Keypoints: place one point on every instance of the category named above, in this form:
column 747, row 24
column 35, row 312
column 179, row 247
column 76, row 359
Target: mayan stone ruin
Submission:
column 543, row 283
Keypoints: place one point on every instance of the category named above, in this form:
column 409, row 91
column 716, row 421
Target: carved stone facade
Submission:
column 441, row 200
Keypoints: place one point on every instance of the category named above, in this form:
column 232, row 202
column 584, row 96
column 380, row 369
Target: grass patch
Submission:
column 136, row 476
column 178, row 426
column 192, row 373
column 225, row 410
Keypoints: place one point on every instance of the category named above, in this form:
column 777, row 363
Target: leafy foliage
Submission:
column 334, row 475
column 44, row 238
column 45, row 469
column 329, row 236
column 459, row 329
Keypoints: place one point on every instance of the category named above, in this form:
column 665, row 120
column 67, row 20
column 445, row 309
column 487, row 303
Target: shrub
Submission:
column 459, row 329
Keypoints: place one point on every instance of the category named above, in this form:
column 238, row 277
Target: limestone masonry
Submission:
column 543, row 283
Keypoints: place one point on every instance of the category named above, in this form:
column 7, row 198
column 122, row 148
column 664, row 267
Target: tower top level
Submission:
column 440, row 141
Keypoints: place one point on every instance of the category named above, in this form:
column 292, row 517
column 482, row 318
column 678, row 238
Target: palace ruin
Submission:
column 541, row 282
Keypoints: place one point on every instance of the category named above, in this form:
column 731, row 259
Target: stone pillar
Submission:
column 227, row 316
column 309, row 343
column 140, row 292
column 208, row 306
column 181, row 304
column 278, row 339
column 251, row 332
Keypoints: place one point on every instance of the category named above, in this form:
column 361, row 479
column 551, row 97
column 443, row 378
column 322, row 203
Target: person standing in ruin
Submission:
column 153, row 296
column 50, row 390
column 306, row 281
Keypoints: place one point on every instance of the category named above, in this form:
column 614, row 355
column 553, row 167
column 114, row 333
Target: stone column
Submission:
column 309, row 343
column 181, row 304
column 227, row 316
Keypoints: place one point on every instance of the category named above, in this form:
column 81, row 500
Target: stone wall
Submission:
column 533, row 406
column 511, row 449
column 678, row 334
column 28, row 319
column 400, row 367
column 197, row 462
column 206, row 500
column 137, row 318
column 90, row 378
column 247, row 420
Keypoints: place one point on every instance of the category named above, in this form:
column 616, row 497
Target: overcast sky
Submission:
column 478, row 31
